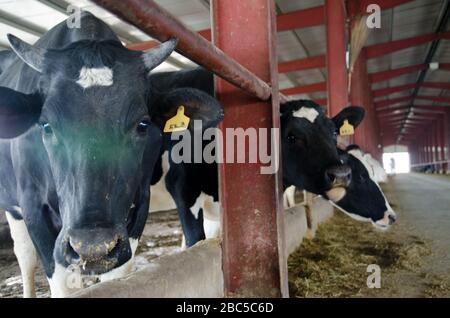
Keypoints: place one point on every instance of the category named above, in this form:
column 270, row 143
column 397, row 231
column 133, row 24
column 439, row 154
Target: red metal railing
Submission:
column 161, row 25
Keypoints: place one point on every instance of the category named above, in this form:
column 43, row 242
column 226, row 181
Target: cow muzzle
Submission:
column 389, row 218
column 96, row 250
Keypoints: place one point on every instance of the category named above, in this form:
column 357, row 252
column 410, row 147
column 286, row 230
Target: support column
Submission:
column 441, row 143
column 254, row 263
column 435, row 145
column 336, row 48
column 446, row 139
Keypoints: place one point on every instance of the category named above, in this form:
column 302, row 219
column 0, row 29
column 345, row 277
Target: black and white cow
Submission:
column 311, row 161
column 364, row 193
column 78, row 115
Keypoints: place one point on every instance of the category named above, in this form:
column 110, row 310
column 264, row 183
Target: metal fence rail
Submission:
column 153, row 20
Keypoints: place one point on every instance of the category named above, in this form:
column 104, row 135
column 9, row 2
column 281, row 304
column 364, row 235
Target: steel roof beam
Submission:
column 21, row 24
column 305, row 89
column 391, row 90
column 439, row 34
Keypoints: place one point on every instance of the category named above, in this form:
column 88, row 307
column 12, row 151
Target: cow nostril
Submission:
column 392, row 219
column 91, row 249
column 331, row 176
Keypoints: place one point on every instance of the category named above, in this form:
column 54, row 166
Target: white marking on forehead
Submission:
column 95, row 77
column 307, row 113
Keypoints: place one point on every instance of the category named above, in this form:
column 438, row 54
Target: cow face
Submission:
column 310, row 157
column 98, row 118
column 364, row 200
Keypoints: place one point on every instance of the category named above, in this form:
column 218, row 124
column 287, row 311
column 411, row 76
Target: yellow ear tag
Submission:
column 179, row 122
column 346, row 129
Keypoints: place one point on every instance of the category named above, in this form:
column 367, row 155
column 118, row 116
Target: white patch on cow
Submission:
column 289, row 197
column 307, row 113
column 160, row 198
column 336, row 194
column 64, row 282
column 378, row 170
column 123, row 270
column 352, row 215
column 25, row 253
column 195, row 209
column 211, row 214
column 89, row 77
column 211, row 217
column 183, row 243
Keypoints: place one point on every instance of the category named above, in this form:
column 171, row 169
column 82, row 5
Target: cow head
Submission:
column 364, row 200
column 98, row 118
column 310, row 157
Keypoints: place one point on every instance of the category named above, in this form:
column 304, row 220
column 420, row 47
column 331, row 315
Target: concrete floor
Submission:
column 424, row 201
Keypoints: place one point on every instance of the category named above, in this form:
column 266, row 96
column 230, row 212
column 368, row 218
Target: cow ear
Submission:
column 31, row 55
column 197, row 106
column 354, row 115
column 18, row 112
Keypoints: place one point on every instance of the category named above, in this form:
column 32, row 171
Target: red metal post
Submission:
column 446, row 139
column 429, row 146
column 441, row 144
column 422, row 153
column 434, row 144
column 253, row 242
column 336, row 62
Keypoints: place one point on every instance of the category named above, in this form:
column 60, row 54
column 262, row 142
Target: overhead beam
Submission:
column 302, row 64
column 301, row 19
column 391, row 90
column 392, row 101
column 386, row 75
column 384, row 4
column 381, row 49
column 416, row 108
column 305, row 89
column 287, row 21
column 21, row 24
column 440, row 33
column 439, row 99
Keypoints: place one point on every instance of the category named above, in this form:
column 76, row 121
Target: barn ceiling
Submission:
column 29, row 19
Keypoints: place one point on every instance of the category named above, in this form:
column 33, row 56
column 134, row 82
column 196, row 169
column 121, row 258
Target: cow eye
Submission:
column 142, row 127
column 47, row 129
column 291, row 138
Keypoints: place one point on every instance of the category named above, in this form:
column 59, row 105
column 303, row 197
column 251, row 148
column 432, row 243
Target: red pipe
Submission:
column 446, row 139
column 150, row 18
